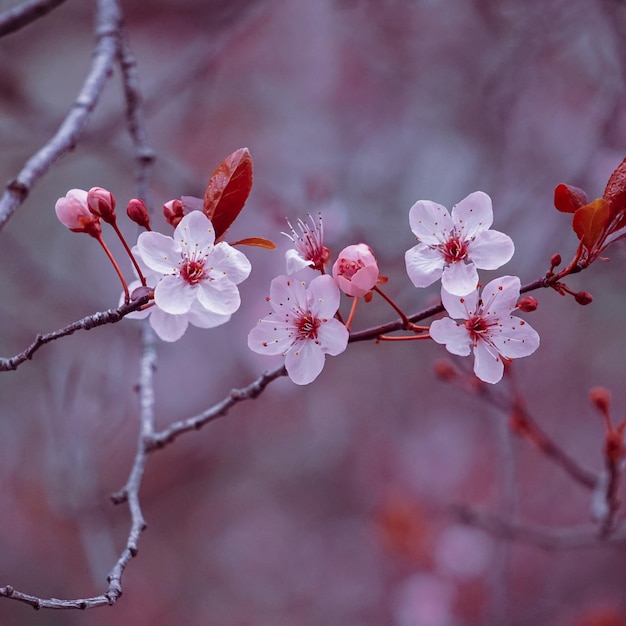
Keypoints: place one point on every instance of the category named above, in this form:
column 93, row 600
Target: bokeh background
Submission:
column 329, row 504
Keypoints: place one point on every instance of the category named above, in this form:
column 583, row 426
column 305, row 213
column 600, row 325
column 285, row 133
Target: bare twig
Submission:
column 173, row 431
column 144, row 155
column 540, row 536
column 107, row 32
column 25, row 13
column 111, row 316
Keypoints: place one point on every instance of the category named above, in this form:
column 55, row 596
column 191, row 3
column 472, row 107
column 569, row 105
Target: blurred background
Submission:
column 327, row 504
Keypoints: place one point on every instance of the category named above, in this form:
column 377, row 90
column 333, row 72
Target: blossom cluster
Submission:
column 192, row 277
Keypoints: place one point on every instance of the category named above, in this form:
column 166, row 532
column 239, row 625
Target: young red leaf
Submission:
column 590, row 222
column 258, row 242
column 568, row 199
column 228, row 190
column 615, row 191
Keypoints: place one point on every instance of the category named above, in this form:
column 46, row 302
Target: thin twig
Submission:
column 107, row 32
column 173, row 431
column 540, row 536
column 111, row 316
column 25, row 13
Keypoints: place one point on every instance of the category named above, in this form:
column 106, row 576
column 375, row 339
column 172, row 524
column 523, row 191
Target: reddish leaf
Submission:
column 228, row 190
column 568, row 199
column 615, row 192
column 590, row 222
column 258, row 242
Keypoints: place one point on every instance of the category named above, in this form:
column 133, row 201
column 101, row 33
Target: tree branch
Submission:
column 111, row 316
column 25, row 13
column 108, row 23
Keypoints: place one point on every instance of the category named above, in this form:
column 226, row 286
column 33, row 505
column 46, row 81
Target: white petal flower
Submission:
column 193, row 268
column 453, row 246
column 167, row 326
column 301, row 326
column 487, row 327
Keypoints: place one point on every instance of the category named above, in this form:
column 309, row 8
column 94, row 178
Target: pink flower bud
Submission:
column 355, row 270
column 173, row 212
column 101, row 202
column 527, row 304
column 138, row 212
column 73, row 212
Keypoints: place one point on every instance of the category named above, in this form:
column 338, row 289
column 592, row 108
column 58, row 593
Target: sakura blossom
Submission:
column 309, row 249
column 301, row 326
column 194, row 268
column 167, row 326
column 73, row 212
column 488, row 327
column 453, row 247
column 356, row 270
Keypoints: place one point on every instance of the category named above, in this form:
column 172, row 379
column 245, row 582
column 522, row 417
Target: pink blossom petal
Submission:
column 160, row 253
column 195, row 230
column 333, row 335
column 424, row 265
column 231, row 262
column 202, row 318
column 295, row 261
column 488, row 365
column 453, row 335
column 516, row 339
column 304, row 362
column 168, row 327
column 173, row 295
column 270, row 337
column 323, row 296
column 459, row 278
column 218, row 296
column 491, row 249
column 429, row 221
column 500, row 296
column 287, row 293
column 460, row 307
column 473, row 214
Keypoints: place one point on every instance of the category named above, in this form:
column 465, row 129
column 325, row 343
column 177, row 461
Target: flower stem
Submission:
column 142, row 278
column 117, row 268
column 352, row 312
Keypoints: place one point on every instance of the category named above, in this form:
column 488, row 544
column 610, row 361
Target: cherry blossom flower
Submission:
column 453, row 246
column 167, row 326
column 301, row 326
column 356, row 270
column 488, row 327
column 309, row 249
column 73, row 212
column 193, row 268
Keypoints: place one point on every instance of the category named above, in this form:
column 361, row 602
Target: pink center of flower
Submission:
column 307, row 326
column 193, row 272
column 454, row 249
column 478, row 327
column 348, row 269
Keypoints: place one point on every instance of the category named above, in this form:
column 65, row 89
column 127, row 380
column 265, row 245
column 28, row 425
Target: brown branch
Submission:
column 111, row 316
column 144, row 155
column 540, row 536
column 251, row 391
column 25, row 13
column 107, row 32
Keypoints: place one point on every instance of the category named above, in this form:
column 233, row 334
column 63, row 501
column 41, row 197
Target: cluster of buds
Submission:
column 81, row 211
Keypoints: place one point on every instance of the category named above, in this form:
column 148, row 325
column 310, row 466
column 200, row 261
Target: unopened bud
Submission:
column 555, row 260
column 73, row 212
column 173, row 212
column 601, row 398
column 138, row 212
column 101, row 202
column 527, row 304
column 583, row 297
